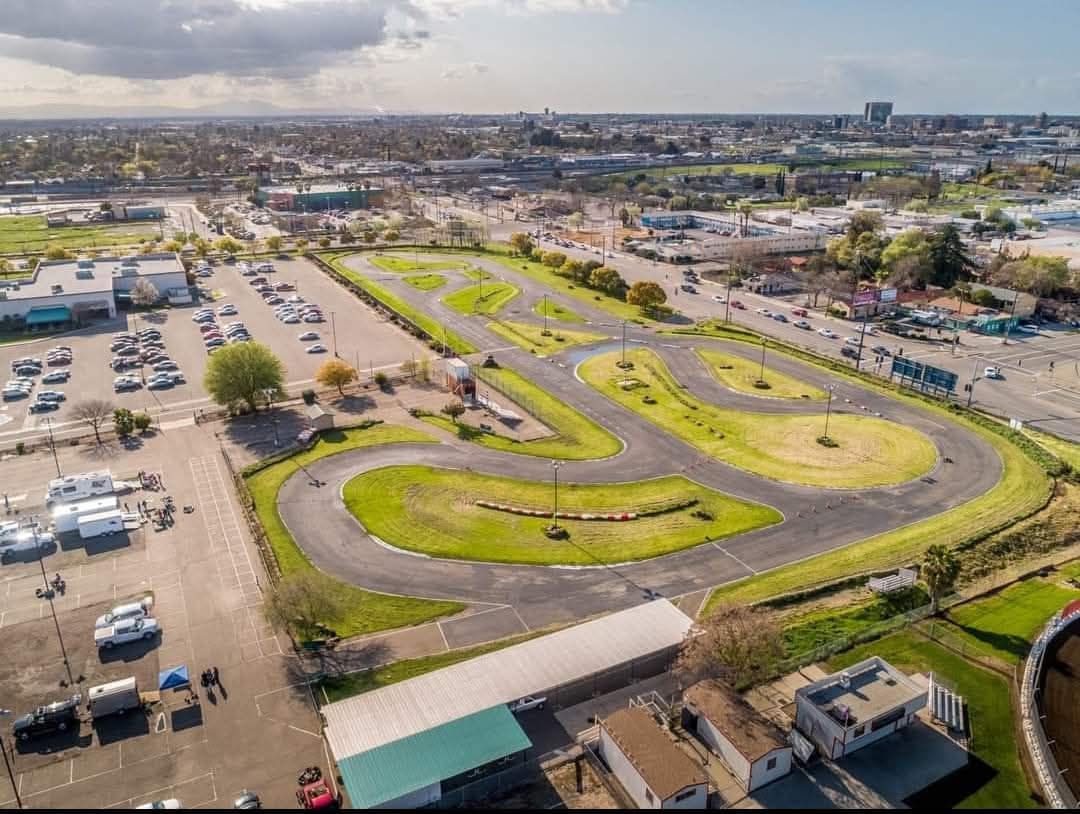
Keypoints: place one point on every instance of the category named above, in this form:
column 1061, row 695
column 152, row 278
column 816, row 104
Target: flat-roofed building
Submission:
column 752, row 746
column 858, row 706
column 652, row 769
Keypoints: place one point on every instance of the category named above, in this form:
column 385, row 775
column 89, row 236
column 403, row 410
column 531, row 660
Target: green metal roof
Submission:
column 56, row 313
column 395, row 769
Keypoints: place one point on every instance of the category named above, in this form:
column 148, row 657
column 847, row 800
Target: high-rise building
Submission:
column 877, row 112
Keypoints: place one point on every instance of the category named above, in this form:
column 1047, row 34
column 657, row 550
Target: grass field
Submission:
column 339, row 687
column 740, row 374
column 366, row 612
column 1066, row 450
column 486, row 298
column 425, row 282
column 30, row 233
column 543, row 274
column 432, row 511
column 1004, row 624
column 553, row 310
column 530, row 337
column 806, row 632
column 870, row 451
column 404, row 263
column 989, row 707
column 457, row 343
column 477, row 274
column 577, row 438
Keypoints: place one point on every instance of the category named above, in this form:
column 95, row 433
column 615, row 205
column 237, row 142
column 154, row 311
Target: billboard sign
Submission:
column 887, row 295
column 926, row 378
column 866, row 297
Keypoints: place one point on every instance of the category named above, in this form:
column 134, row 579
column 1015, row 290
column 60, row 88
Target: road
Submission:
column 816, row 519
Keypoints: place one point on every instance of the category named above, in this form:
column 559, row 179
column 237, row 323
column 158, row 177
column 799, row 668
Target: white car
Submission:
column 171, row 803
column 802, row 323
column 993, row 372
column 316, row 348
column 227, row 311
column 765, row 312
column 308, row 336
column 1028, row 329
column 719, row 298
column 852, row 340
column 126, row 630
column 295, row 298
column 527, row 703
column 291, row 320
column 56, row 377
column 827, row 333
column 129, row 610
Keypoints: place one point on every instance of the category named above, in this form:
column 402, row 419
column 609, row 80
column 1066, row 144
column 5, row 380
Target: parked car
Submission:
column 128, row 610
column 171, row 803
column 126, row 630
column 58, row 716
column 316, row 348
column 56, row 377
column 527, row 703
column 126, row 385
column 51, row 395
column 308, row 336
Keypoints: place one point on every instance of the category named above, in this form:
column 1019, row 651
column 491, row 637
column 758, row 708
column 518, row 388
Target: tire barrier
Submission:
column 617, row 517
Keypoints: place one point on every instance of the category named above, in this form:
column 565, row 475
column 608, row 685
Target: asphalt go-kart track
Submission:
column 730, row 479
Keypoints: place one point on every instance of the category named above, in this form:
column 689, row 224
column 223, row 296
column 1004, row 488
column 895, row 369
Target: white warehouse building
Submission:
column 72, row 291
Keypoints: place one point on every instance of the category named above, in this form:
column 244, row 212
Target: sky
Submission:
column 497, row 56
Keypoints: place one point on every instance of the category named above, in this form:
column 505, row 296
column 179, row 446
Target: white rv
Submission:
column 79, row 487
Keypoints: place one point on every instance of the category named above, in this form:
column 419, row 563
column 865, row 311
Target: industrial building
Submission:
column 62, row 292
column 319, row 197
column 457, row 718
column 877, row 112
column 846, row 711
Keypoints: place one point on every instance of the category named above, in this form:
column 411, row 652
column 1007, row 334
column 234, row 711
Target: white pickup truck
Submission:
column 16, row 538
column 124, row 631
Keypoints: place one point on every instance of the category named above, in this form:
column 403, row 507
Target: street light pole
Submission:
column 761, row 375
column 333, row 330
column 7, row 764
column 828, row 408
column 623, row 363
column 555, row 514
column 546, row 331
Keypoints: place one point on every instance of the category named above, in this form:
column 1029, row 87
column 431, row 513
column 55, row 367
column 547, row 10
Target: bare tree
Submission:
column 736, row 644
column 305, row 602
column 93, row 413
column 144, row 292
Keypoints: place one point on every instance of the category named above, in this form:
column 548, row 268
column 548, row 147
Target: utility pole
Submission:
column 52, row 446
column 333, row 331
column 727, row 299
column 7, row 764
column 761, row 375
column 974, row 378
column 546, row 331
column 828, row 408
column 555, row 514
column 623, row 363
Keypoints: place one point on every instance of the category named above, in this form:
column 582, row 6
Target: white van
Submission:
column 129, row 610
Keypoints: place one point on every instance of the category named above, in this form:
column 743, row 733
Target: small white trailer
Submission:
column 96, row 525
column 114, row 698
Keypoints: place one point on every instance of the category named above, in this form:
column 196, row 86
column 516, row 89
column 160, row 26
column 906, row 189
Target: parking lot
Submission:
column 363, row 340
column 205, row 583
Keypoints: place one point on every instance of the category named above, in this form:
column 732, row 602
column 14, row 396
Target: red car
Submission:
column 738, row 304
column 799, row 312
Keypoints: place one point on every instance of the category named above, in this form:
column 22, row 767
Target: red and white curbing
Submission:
column 617, row 517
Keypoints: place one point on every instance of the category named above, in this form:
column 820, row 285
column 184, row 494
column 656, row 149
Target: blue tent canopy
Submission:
column 173, row 678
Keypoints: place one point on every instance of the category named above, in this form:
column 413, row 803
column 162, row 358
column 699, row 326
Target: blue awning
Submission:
column 43, row 316
column 173, row 678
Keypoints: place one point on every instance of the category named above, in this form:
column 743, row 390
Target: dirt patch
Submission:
column 557, row 788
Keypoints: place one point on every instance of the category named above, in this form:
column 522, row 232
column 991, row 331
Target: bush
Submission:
column 382, row 380
column 309, row 397
column 20, row 448
column 142, row 422
column 826, row 441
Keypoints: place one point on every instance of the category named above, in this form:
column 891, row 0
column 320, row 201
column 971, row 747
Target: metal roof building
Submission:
column 391, row 713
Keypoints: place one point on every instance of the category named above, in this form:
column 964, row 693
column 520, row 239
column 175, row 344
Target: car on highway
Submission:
column 765, row 312
column 779, row 317
column 719, row 298
column 880, row 350
column 738, row 304
column 851, row 340
column 802, row 323
column 800, row 312
column 58, row 716
column 849, row 351
column 1026, row 328
column 308, row 336
column 827, row 333
column 527, row 703
column 126, row 630
column 993, row 372
column 316, row 348
column 56, row 377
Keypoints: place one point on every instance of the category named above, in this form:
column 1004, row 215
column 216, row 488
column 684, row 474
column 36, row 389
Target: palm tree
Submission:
column 940, row 568
column 744, row 211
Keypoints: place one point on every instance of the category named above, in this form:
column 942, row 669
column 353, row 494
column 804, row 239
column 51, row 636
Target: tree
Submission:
column 453, row 409
column 305, row 601
column 228, row 245
column 865, row 220
column 634, row 211
column 144, row 293
column 553, row 259
column 142, row 422
column 575, row 220
column 335, row 373
column 608, row 280
column 123, row 422
column 301, row 245
column 907, row 256
column 940, row 568
column 369, row 236
column 242, row 373
column 802, row 204
column 948, row 257
column 202, row 247
column 521, row 244
column 274, row 243
column 56, row 252
column 324, row 242
column 624, row 216
column 646, row 295
column 172, row 246
column 737, row 644
column 93, row 413
column 391, row 235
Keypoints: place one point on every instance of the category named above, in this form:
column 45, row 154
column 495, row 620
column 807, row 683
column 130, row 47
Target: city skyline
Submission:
column 484, row 56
